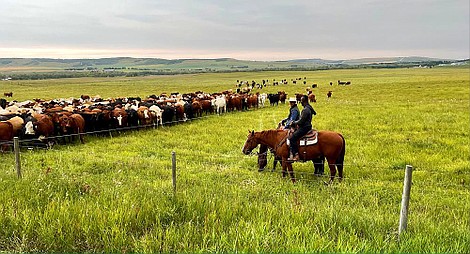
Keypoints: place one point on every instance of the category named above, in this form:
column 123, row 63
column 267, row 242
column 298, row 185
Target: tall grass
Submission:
column 115, row 194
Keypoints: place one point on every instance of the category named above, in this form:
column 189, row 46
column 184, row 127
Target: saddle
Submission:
column 311, row 138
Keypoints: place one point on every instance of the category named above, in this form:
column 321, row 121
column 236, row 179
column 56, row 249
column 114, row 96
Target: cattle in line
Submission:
column 262, row 99
column 17, row 123
column 145, row 118
column 40, row 127
column 197, row 108
column 282, row 96
column 6, row 135
column 188, row 110
column 73, row 125
column 252, row 101
column 273, row 99
column 314, row 86
column 329, row 94
column 220, row 104
column 156, row 113
column 236, row 103
column 101, row 115
column 119, row 117
column 168, row 114
column 3, row 104
column 9, row 94
column 180, row 115
column 344, row 82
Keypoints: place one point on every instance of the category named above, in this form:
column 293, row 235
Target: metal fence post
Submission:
column 16, row 147
column 405, row 200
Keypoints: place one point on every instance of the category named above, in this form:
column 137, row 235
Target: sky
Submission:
column 243, row 29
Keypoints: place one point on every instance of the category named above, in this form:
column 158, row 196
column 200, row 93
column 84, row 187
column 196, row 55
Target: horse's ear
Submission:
column 253, row 132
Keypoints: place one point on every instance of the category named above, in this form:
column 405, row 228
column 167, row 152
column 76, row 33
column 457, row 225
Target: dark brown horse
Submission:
column 330, row 144
column 318, row 163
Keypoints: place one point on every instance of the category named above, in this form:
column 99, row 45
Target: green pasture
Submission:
column 114, row 194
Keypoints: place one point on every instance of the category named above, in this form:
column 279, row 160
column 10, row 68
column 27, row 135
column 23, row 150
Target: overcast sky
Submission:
column 242, row 29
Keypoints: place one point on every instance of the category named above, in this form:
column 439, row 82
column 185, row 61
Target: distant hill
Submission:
column 22, row 68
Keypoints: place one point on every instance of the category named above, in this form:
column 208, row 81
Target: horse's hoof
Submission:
column 260, row 169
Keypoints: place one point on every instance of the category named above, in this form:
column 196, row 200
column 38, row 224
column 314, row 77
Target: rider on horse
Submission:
column 294, row 114
column 304, row 125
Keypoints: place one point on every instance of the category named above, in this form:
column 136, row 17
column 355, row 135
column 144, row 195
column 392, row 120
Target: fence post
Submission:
column 405, row 200
column 173, row 169
column 16, row 147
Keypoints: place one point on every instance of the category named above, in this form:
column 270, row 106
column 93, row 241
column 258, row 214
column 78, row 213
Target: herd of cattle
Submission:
column 46, row 121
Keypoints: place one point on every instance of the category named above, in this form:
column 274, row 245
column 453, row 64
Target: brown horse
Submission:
column 330, row 144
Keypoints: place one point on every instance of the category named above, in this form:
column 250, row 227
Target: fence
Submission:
column 16, row 143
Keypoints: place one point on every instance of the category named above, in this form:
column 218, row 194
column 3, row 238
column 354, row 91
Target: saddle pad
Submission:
column 308, row 142
column 310, row 139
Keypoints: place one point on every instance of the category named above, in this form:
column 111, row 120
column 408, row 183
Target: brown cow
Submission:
column 197, row 108
column 6, row 135
column 237, row 103
column 119, row 116
column 179, row 113
column 17, row 123
column 253, row 101
column 311, row 97
column 207, row 106
column 144, row 116
column 73, row 124
column 41, row 127
column 282, row 96
column 10, row 94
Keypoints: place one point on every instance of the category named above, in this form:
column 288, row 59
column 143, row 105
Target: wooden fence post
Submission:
column 173, row 169
column 16, row 147
column 405, row 200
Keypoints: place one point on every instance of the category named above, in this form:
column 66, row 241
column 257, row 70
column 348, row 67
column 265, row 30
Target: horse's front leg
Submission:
column 291, row 172
column 284, row 164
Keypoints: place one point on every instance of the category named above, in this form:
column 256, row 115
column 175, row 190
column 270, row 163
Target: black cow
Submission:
column 132, row 117
column 273, row 99
column 188, row 109
column 3, row 103
column 168, row 113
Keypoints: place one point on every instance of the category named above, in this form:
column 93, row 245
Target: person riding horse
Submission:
column 294, row 114
column 304, row 125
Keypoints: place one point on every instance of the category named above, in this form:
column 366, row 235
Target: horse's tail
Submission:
column 340, row 159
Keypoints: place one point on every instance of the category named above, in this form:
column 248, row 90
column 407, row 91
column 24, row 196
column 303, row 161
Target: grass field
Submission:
column 115, row 194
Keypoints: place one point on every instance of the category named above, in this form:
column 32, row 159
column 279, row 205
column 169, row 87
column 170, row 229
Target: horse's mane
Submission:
column 266, row 133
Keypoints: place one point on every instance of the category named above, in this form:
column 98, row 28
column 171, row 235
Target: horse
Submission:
column 330, row 144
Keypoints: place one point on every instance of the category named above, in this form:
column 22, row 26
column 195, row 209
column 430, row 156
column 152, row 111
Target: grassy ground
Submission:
column 115, row 194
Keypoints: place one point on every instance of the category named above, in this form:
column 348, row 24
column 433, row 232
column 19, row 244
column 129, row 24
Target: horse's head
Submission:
column 250, row 143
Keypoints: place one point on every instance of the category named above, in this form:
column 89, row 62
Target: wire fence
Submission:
column 36, row 143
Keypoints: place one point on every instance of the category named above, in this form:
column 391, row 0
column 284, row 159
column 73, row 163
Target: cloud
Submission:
column 323, row 28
